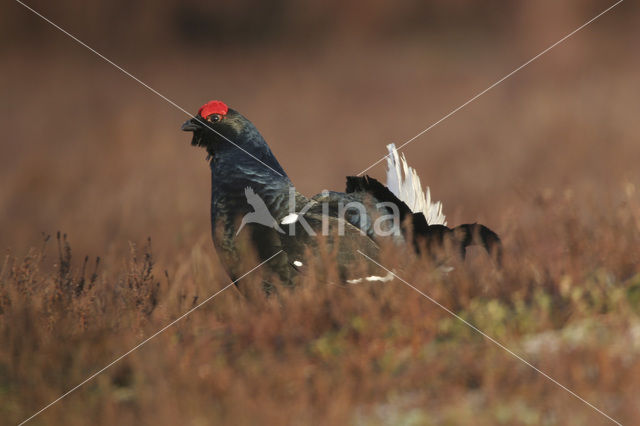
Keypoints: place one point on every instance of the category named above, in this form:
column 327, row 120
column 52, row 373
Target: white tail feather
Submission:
column 404, row 182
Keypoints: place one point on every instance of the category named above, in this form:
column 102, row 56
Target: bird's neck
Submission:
column 230, row 173
column 231, row 176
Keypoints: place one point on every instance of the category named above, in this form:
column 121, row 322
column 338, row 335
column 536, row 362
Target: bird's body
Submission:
column 255, row 207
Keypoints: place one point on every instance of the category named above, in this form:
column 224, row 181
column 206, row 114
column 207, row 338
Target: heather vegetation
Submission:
column 548, row 160
column 326, row 353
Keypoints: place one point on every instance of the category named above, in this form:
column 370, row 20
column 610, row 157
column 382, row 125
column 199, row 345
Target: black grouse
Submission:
column 255, row 208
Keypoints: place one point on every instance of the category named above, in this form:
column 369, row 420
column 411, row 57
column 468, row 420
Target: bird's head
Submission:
column 224, row 132
column 214, row 123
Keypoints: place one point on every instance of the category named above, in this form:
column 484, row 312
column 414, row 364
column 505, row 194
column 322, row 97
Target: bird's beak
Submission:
column 191, row 125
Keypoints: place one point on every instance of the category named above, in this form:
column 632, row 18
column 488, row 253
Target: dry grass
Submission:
column 363, row 354
column 548, row 160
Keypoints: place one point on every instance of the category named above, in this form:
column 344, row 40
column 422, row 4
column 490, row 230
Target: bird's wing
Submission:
column 337, row 236
column 250, row 195
column 367, row 192
column 255, row 201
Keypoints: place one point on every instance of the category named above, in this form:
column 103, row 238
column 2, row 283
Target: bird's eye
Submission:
column 214, row 118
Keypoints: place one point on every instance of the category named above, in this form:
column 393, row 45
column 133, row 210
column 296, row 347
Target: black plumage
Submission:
column 246, row 177
column 423, row 235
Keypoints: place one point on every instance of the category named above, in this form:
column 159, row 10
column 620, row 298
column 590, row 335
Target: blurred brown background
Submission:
column 88, row 151
column 549, row 159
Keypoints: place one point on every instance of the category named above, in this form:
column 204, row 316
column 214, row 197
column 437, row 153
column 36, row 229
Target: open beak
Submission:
column 191, row 125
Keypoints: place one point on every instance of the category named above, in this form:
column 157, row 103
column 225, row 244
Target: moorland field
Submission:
column 548, row 159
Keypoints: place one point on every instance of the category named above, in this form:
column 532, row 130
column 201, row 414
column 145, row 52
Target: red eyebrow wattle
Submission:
column 213, row 107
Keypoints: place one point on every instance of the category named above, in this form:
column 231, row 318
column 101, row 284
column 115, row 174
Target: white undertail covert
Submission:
column 404, row 182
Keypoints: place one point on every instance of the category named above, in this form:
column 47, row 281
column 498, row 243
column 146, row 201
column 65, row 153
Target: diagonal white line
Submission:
column 145, row 84
column 146, row 340
column 266, row 165
column 496, row 83
column 500, row 345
